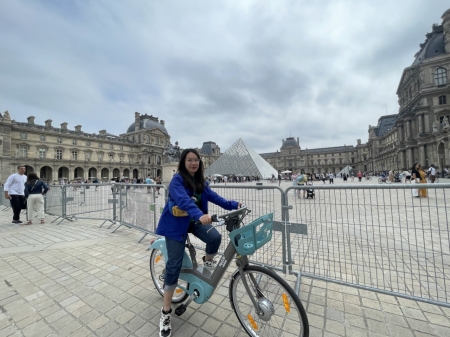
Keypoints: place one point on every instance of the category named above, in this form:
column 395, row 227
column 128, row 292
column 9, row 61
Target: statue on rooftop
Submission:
column 173, row 153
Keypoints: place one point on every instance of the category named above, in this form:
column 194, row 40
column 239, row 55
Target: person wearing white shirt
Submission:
column 331, row 178
column 14, row 191
column 407, row 175
column 432, row 171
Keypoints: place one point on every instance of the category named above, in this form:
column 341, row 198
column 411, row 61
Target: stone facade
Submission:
column 420, row 131
column 322, row 160
column 56, row 153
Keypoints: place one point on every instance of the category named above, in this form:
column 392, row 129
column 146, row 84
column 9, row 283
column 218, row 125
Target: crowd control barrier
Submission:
column 375, row 237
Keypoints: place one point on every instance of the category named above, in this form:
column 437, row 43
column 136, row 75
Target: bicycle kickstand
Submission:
column 182, row 307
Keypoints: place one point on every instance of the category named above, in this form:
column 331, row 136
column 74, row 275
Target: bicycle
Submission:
column 384, row 180
column 263, row 301
column 368, row 177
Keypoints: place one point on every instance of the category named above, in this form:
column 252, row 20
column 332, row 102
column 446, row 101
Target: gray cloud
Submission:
column 322, row 71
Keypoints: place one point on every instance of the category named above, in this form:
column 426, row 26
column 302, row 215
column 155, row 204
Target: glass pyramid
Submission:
column 241, row 159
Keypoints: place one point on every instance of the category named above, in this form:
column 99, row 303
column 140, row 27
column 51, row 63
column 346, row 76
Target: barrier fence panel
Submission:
column 141, row 206
column 379, row 238
column 53, row 201
column 91, row 201
column 4, row 202
column 260, row 200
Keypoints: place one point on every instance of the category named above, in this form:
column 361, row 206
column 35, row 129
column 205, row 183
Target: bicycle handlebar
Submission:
column 221, row 218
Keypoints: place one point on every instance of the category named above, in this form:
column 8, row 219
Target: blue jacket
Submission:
column 176, row 228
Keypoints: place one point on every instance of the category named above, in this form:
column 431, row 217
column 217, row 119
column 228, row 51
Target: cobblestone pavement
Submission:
column 76, row 279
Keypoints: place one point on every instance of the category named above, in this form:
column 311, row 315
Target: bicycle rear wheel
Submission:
column 283, row 313
column 157, row 271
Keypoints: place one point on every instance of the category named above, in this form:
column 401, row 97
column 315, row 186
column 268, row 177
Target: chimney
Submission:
column 446, row 26
column 31, row 120
column 64, row 126
column 48, row 123
column 162, row 122
column 102, row 132
column 282, row 142
column 78, row 128
column 137, row 121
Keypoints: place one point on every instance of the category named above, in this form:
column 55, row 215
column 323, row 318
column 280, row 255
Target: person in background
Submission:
column 149, row 181
column 432, row 171
column 407, row 175
column 331, row 178
column 34, row 193
column 14, row 191
column 360, row 176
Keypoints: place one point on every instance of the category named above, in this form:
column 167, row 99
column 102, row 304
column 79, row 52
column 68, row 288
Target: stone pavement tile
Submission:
column 125, row 317
column 121, row 332
column 81, row 332
column 135, row 323
column 353, row 309
column 440, row 330
column 115, row 312
column 316, row 321
column 70, row 328
column 417, row 325
column 44, row 332
column 354, row 320
column 438, row 319
column 149, row 329
column 56, row 315
column 98, row 323
column 398, row 331
column 62, row 322
column 374, row 314
column 335, row 304
column 377, row 326
column 316, row 309
column 330, row 334
column 29, row 320
column 336, row 315
column 413, row 313
column 139, row 307
column 107, row 329
column 4, row 323
column 211, row 325
column 198, row 318
column 421, row 334
column 90, row 316
column 225, row 330
column 9, row 331
column 355, row 332
column 335, row 327
column 370, row 303
column 391, row 308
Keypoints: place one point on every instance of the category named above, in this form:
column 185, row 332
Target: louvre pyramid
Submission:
column 241, row 159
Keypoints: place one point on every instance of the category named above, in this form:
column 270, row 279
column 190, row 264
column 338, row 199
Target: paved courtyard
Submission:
column 77, row 279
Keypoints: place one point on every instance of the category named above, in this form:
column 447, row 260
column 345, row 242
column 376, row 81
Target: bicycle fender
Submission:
column 159, row 244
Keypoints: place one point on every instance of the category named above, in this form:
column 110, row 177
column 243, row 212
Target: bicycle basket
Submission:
column 256, row 234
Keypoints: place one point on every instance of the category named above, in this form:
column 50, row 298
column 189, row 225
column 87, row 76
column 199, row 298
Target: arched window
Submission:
column 158, row 160
column 440, row 76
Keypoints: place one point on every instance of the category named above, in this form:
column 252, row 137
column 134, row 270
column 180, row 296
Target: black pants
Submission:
column 16, row 204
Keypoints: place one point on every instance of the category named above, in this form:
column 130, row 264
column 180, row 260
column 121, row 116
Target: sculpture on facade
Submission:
column 445, row 124
column 435, row 128
column 173, row 153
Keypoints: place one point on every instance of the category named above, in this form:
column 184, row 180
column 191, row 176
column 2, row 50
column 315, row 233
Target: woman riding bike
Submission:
column 188, row 203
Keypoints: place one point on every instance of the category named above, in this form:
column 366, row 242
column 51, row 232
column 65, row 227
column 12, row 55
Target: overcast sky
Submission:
column 212, row 70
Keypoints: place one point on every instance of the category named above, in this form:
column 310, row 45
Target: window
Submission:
column 22, row 153
column 111, row 157
column 158, row 160
column 74, row 155
column 59, row 140
column 88, row 143
column 42, row 138
column 100, row 145
column 442, row 100
column 440, row 76
column 149, row 161
column 88, row 156
column 23, row 135
column 74, row 142
column 42, row 153
column 59, row 154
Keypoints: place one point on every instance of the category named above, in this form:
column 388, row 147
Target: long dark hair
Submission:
column 32, row 178
column 196, row 184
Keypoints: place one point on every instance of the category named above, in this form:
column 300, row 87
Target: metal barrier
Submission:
column 53, row 201
column 141, row 206
column 260, row 200
column 375, row 237
column 4, row 202
column 90, row 201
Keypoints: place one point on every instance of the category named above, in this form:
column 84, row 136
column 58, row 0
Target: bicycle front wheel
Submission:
column 282, row 312
column 158, row 270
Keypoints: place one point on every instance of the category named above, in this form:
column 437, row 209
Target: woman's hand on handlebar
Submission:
column 205, row 219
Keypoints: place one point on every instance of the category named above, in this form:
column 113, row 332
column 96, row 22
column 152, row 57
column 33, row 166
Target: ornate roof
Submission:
column 434, row 45
column 290, row 141
column 149, row 123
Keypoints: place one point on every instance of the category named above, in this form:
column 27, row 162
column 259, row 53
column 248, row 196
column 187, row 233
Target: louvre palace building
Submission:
column 57, row 152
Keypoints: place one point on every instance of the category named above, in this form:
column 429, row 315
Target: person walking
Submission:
column 149, row 181
column 187, row 211
column 35, row 189
column 14, row 191
column 360, row 176
column 331, row 178
column 432, row 171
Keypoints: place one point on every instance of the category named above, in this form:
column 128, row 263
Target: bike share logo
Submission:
column 222, row 262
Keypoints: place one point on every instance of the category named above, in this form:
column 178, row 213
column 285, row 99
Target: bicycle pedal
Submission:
column 180, row 310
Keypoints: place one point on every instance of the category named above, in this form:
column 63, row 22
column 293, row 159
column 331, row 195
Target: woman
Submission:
column 423, row 180
column 188, row 203
column 34, row 191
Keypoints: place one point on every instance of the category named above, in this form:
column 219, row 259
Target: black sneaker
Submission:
column 17, row 221
column 165, row 325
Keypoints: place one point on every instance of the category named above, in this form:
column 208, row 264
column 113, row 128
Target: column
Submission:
column 422, row 155
column 427, row 128
column 419, row 118
column 409, row 159
column 408, row 129
column 446, row 156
